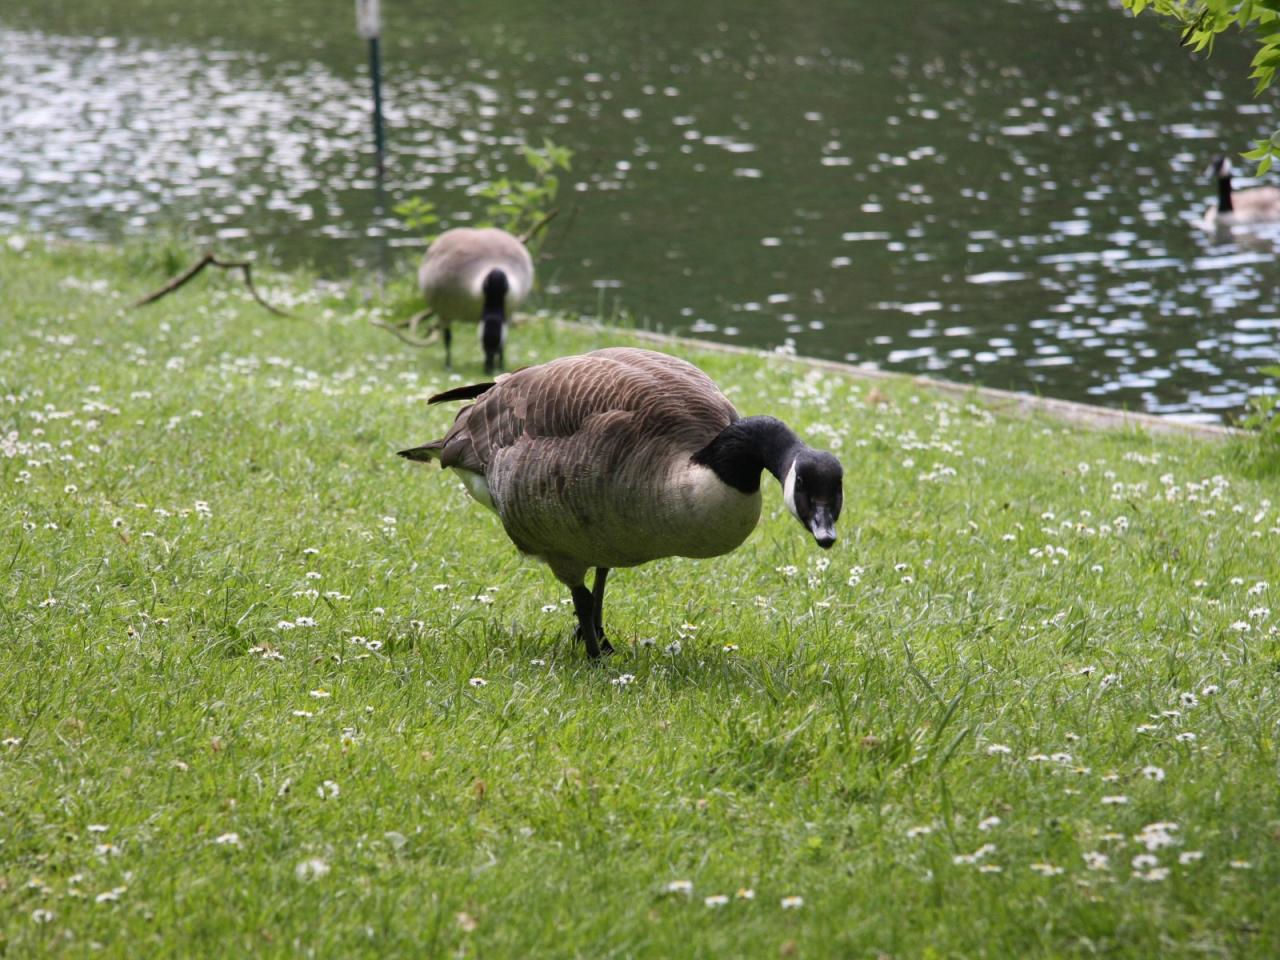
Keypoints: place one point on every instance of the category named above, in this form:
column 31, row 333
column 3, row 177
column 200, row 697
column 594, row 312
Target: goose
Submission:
column 1255, row 205
column 621, row 456
column 476, row 274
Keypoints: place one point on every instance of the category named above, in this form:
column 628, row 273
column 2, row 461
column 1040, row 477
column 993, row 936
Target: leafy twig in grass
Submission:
column 210, row 259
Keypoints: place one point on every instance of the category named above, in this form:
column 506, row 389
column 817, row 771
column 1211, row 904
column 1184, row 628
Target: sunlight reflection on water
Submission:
column 967, row 215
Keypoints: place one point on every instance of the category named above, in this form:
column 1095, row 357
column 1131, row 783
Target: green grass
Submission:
column 178, row 482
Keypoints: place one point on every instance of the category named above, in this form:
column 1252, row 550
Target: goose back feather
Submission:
column 453, row 271
column 1256, row 205
column 1238, row 207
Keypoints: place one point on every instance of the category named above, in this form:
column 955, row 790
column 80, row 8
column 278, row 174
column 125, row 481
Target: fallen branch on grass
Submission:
column 398, row 331
column 211, row 260
column 413, row 322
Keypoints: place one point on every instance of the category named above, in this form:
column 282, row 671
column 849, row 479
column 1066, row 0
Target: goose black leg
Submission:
column 448, row 348
column 584, row 605
column 597, row 597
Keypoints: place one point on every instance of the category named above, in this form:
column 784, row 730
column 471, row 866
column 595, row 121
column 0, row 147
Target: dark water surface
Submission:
column 996, row 192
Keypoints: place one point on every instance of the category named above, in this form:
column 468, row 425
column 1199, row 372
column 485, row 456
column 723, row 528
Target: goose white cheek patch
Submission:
column 789, row 490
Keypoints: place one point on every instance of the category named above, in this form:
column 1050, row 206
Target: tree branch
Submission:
column 537, row 228
column 210, row 259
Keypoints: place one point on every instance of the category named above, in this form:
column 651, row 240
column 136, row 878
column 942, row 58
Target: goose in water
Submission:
column 622, row 456
column 1255, row 205
column 469, row 275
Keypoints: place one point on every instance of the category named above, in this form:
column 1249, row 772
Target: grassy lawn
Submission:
column 268, row 689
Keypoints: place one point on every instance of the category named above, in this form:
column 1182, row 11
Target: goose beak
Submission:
column 823, row 527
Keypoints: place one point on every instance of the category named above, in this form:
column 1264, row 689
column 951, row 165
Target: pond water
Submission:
column 1003, row 193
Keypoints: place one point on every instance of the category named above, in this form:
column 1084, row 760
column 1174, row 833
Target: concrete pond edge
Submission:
column 1006, row 402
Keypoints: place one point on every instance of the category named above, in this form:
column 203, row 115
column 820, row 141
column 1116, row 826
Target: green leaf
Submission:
column 1267, row 57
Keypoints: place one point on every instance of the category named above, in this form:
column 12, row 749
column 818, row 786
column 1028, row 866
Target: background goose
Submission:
column 1255, row 205
column 621, row 456
column 469, row 274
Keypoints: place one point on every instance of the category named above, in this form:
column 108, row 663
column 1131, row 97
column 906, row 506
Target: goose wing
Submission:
column 1259, row 203
column 457, row 261
column 593, row 409
column 586, row 460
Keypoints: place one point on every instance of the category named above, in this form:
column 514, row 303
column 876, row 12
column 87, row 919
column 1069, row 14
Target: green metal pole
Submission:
column 375, row 74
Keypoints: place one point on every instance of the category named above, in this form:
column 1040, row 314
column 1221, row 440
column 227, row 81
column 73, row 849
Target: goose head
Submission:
column 1220, row 168
column 814, row 493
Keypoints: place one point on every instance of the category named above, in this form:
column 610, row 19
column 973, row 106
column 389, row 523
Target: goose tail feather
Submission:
column 462, row 393
column 425, row 453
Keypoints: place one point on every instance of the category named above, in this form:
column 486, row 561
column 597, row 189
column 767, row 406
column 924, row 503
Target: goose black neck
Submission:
column 747, row 446
column 495, row 310
column 1224, row 195
column 494, row 288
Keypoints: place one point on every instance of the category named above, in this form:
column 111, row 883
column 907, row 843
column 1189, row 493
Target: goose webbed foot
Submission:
column 606, row 648
column 603, row 646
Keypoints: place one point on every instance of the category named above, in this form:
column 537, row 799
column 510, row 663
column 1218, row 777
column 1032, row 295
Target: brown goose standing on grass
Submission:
column 469, row 274
column 622, row 456
column 1255, row 205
